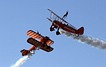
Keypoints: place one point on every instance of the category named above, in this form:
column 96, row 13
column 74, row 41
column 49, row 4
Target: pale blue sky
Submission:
column 19, row 16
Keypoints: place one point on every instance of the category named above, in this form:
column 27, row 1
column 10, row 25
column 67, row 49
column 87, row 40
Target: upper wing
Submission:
column 49, row 42
column 56, row 17
column 34, row 35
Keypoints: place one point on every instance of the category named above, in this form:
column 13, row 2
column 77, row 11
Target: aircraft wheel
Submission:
column 57, row 33
column 51, row 29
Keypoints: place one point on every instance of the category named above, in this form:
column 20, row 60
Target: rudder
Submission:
column 81, row 30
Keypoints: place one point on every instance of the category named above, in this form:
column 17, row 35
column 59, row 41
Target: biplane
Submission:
column 60, row 23
column 38, row 42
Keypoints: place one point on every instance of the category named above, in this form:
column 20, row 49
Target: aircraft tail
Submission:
column 81, row 31
column 25, row 52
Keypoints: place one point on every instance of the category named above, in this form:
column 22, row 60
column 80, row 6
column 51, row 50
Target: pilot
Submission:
column 65, row 15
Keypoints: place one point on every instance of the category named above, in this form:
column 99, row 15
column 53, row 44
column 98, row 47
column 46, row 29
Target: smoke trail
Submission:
column 88, row 40
column 91, row 41
column 20, row 61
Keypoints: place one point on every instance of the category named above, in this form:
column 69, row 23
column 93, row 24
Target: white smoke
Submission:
column 23, row 59
column 20, row 61
column 85, row 39
column 91, row 41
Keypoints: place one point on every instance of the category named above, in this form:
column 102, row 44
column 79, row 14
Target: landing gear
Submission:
column 57, row 33
column 51, row 29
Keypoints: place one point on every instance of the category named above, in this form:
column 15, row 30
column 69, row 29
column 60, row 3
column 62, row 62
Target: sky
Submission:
column 19, row 16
